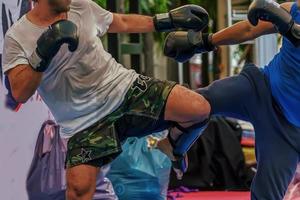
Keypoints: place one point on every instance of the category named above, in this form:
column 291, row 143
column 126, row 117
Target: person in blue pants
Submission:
column 267, row 97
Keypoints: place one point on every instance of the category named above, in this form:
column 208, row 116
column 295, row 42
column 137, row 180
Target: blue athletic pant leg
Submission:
column 248, row 96
column 276, row 155
column 277, row 162
column 229, row 96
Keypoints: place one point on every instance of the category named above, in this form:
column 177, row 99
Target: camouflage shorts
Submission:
column 140, row 114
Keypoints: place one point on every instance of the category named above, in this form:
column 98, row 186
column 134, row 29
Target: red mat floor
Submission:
column 213, row 196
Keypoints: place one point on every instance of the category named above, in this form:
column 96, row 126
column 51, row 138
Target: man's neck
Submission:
column 43, row 16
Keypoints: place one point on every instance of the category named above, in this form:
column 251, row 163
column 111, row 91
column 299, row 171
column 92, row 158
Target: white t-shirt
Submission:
column 82, row 87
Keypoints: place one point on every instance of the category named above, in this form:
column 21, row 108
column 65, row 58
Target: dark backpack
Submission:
column 216, row 161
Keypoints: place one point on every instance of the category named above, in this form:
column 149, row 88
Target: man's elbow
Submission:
column 123, row 23
column 20, row 96
column 124, row 26
column 119, row 24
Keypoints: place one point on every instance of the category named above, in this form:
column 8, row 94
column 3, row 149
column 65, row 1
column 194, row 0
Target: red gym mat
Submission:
column 212, row 196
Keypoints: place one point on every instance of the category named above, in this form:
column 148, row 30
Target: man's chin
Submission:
column 67, row 9
column 62, row 9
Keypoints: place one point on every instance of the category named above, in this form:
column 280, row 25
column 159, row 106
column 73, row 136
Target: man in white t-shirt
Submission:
column 56, row 50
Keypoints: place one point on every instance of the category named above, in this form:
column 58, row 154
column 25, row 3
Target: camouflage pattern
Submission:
column 139, row 115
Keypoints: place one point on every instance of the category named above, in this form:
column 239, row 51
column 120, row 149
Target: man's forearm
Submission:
column 140, row 23
column 190, row 17
column 242, row 32
column 236, row 34
column 24, row 81
column 131, row 23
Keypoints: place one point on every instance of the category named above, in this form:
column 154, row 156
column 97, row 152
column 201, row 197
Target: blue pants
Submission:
column 248, row 97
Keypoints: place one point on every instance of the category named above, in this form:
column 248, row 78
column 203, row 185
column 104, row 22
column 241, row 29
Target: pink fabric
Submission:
column 49, row 132
column 293, row 192
column 212, row 196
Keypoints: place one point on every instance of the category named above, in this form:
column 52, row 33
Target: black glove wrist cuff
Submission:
column 163, row 22
column 293, row 35
column 207, row 41
column 37, row 63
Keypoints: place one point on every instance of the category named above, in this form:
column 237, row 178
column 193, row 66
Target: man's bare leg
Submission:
column 186, row 108
column 81, row 182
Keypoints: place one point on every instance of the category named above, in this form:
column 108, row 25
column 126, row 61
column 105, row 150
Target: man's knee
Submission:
column 81, row 182
column 77, row 190
column 184, row 105
column 205, row 110
column 200, row 107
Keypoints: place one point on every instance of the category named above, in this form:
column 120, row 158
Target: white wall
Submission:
column 12, row 7
column 266, row 48
column 18, row 131
column 18, row 134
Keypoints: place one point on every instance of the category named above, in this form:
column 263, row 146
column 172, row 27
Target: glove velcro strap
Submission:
column 37, row 63
column 163, row 22
column 293, row 35
column 207, row 41
column 180, row 164
column 192, row 133
column 201, row 40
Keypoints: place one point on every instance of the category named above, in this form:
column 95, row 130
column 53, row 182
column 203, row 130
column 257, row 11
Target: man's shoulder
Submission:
column 287, row 6
column 80, row 4
column 17, row 27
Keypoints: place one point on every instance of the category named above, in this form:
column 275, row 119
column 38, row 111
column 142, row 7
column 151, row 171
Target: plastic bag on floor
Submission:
column 46, row 177
column 139, row 172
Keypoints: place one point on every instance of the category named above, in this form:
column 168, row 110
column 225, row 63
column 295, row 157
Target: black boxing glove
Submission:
column 49, row 43
column 268, row 10
column 187, row 17
column 182, row 45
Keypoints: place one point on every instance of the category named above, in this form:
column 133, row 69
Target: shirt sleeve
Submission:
column 103, row 18
column 13, row 54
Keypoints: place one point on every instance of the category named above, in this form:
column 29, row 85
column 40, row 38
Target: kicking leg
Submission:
column 230, row 97
column 190, row 112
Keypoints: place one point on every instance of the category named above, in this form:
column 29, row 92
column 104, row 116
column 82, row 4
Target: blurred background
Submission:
column 146, row 49
column 141, row 173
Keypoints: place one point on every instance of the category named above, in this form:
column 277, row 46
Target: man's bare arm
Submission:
column 244, row 31
column 188, row 17
column 181, row 45
column 131, row 23
column 24, row 81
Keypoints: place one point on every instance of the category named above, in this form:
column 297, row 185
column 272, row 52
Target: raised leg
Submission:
column 189, row 111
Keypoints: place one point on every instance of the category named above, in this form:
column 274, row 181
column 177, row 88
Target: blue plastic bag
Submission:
column 139, row 172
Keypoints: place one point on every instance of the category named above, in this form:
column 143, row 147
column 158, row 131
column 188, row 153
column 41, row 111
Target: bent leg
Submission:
column 81, row 182
column 185, row 106
column 189, row 111
column 232, row 97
